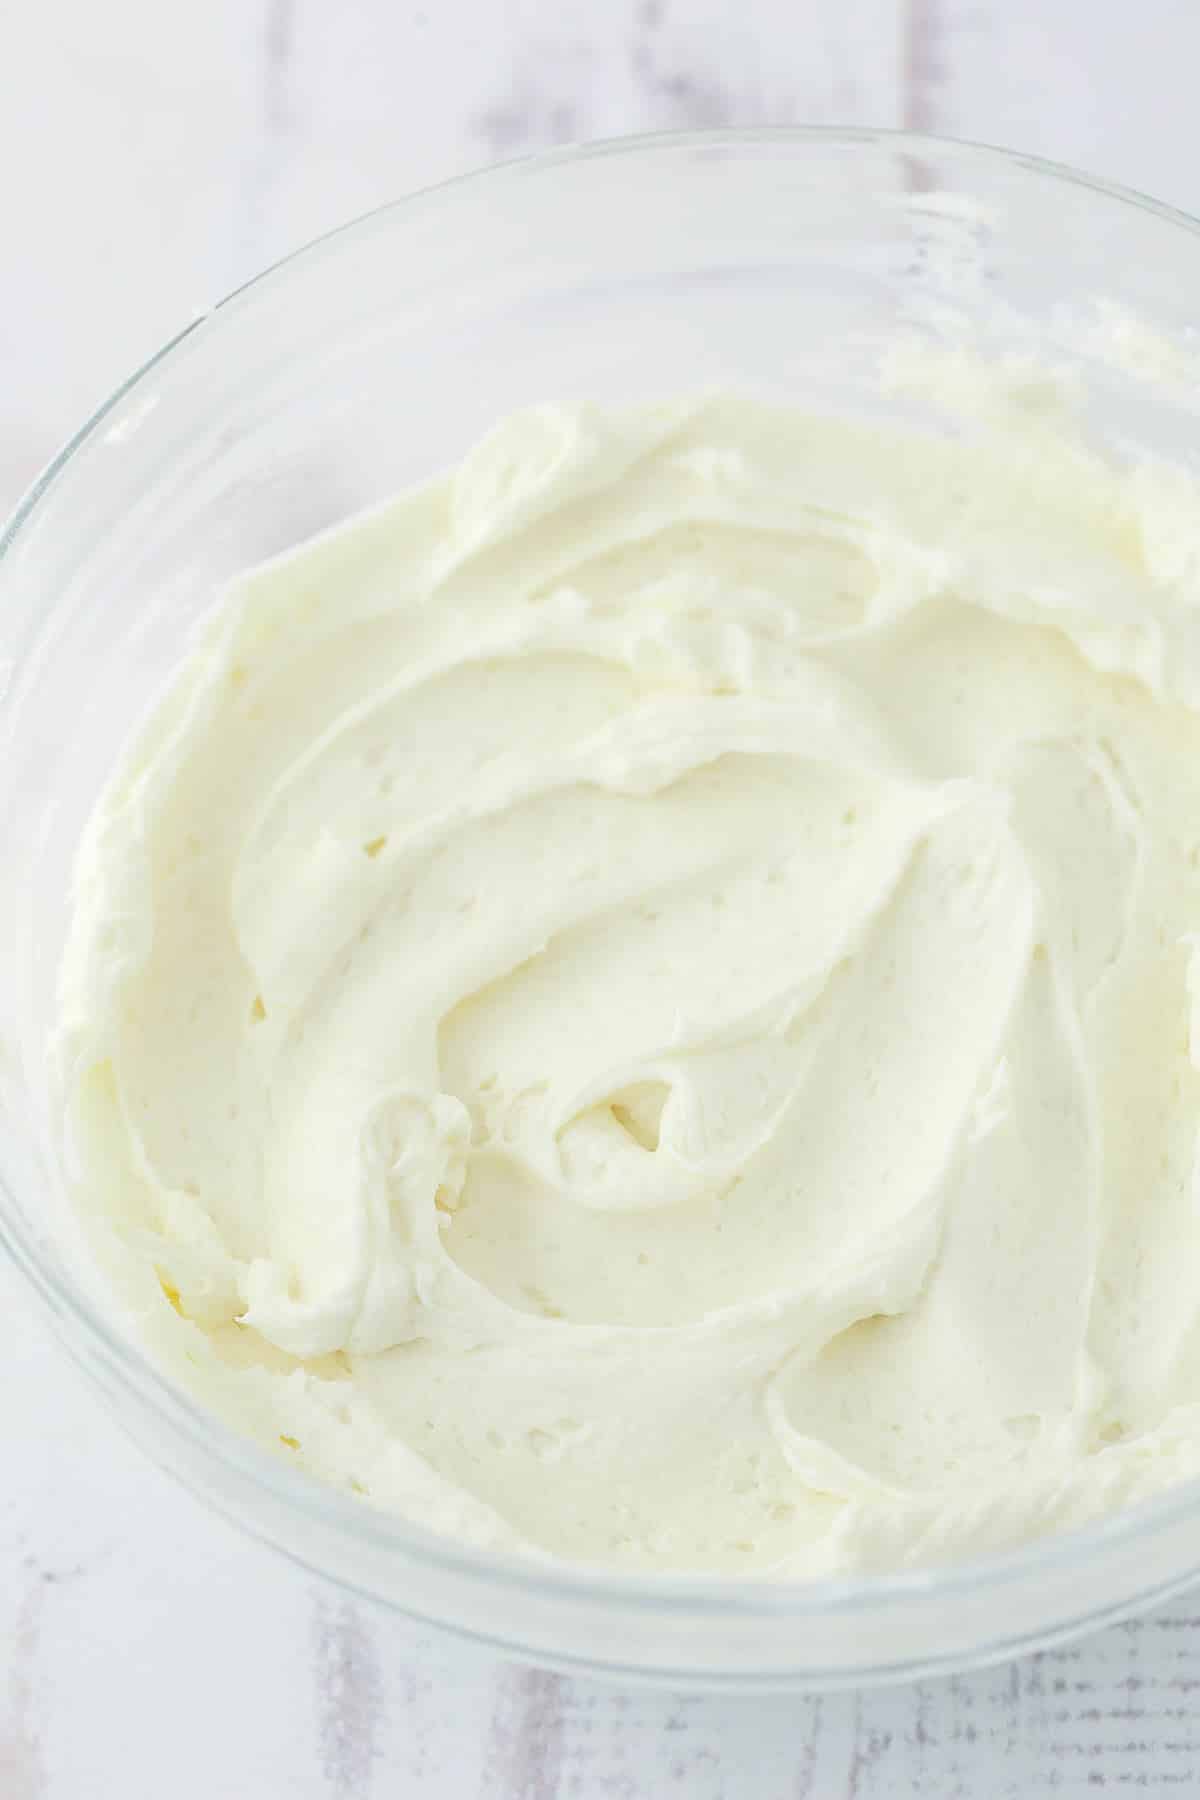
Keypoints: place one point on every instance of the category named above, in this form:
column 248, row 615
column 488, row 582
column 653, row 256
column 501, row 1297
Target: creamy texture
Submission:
column 639, row 1001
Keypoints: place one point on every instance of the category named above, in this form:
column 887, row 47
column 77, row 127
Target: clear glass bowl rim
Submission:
column 82, row 1328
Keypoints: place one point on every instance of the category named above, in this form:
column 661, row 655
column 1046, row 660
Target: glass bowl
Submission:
column 777, row 262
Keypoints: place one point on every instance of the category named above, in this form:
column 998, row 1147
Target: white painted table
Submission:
column 154, row 155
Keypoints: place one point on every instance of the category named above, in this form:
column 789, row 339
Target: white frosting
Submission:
column 639, row 1000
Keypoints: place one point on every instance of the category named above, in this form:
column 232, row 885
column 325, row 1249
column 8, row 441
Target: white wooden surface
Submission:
column 153, row 155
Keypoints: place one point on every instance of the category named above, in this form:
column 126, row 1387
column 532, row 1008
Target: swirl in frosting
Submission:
column 638, row 1001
